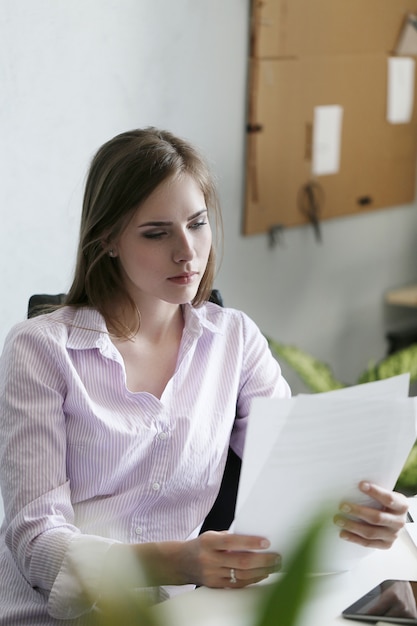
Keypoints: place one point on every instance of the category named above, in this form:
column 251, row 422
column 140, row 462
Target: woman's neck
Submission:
column 157, row 324
column 161, row 324
column 150, row 356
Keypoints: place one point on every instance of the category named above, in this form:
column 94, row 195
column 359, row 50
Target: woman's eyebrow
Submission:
column 192, row 217
column 169, row 223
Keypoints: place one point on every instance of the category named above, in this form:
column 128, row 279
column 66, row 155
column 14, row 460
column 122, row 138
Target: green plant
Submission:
column 285, row 599
column 281, row 602
column 319, row 377
column 124, row 610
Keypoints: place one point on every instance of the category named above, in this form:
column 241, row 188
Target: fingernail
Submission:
column 365, row 486
column 339, row 522
column 264, row 543
column 345, row 508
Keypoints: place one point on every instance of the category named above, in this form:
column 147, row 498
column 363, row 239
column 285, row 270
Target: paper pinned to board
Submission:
column 400, row 96
column 310, row 452
column 327, row 137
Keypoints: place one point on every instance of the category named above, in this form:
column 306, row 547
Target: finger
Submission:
column 240, row 584
column 225, row 541
column 251, row 560
column 393, row 513
column 258, row 572
column 233, row 578
column 371, row 516
column 391, row 500
column 366, row 542
column 236, row 579
column 367, row 535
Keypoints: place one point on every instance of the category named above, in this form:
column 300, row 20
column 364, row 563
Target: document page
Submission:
column 306, row 454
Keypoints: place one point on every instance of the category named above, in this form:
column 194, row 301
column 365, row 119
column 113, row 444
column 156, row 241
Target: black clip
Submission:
column 254, row 128
column 310, row 199
column 275, row 235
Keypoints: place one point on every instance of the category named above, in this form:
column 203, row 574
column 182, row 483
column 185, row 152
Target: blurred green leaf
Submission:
column 402, row 362
column 123, row 610
column 407, row 481
column 316, row 375
column 285, row 599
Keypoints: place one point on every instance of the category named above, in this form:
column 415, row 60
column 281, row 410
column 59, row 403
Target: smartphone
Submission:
column 392, row 601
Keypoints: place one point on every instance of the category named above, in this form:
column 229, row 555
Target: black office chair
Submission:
column 222, row 513
column 38, row 303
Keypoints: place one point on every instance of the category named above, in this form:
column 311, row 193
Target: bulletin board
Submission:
column 315, row 63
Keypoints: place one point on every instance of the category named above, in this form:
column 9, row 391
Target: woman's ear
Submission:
column 109, row 248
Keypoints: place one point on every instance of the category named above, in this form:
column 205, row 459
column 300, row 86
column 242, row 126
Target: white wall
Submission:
column 73, row 74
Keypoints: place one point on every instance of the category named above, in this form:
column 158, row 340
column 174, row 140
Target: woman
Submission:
column 117, row 410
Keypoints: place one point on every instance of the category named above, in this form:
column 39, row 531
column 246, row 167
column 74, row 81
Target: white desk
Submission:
column 333, row 593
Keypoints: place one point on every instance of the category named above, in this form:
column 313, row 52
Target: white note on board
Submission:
column 400, row 96
column 327, row 136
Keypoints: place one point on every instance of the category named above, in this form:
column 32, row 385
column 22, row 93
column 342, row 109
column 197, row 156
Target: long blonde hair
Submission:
column 123, row 173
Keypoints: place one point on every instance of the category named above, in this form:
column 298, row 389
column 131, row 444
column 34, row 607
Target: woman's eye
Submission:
column 198, row 225
column 154, row 235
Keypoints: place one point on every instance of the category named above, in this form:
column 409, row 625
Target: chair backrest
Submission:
column 39, row 301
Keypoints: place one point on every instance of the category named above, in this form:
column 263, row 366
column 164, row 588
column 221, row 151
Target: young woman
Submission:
column 117, row 409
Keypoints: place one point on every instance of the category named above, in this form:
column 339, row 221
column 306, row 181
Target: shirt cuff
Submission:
column 77, row 587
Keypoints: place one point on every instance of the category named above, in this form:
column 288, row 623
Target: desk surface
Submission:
column 405, row 296
column 333, row 593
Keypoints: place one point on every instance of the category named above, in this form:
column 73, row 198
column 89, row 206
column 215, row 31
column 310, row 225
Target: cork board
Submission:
column 303, row 57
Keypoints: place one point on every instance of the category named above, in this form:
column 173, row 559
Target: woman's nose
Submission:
column 183, row 251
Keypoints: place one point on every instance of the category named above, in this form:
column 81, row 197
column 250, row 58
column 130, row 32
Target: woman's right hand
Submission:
column 213, row 559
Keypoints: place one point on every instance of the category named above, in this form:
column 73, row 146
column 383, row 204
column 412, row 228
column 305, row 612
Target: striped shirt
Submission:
column 85, row 463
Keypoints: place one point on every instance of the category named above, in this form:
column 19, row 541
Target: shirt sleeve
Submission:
column 39, row 518
column 261, row 377
column 77, row 586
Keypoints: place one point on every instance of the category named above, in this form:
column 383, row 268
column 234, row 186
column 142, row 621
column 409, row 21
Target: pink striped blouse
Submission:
column 85, row 463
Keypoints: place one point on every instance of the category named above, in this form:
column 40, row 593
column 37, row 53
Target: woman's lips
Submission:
column 183, row 279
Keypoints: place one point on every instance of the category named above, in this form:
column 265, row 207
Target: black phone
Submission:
column 392, row 601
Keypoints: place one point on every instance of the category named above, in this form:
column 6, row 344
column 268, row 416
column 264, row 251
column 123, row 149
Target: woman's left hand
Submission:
column 374, row 528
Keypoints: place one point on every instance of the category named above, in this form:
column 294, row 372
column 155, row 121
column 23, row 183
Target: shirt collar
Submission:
column 88, row 328
column 198, row 318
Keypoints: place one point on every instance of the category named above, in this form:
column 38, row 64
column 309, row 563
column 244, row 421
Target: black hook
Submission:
column 310, row 200
column 275, row 235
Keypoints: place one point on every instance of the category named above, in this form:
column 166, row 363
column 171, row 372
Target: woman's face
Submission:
column 163, row 252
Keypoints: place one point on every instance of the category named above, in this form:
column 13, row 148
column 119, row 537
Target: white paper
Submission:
column 400, row 97
column 309, row 453
column 327, row 133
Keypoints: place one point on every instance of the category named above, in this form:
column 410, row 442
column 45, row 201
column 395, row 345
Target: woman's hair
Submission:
column 123, row 174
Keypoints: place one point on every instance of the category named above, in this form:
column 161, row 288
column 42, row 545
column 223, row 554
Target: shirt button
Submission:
column 163, row 436
column 138, row 530
column 156, row 486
